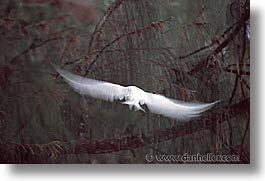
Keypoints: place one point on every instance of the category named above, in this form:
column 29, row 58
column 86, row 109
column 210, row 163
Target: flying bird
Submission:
column 134, row 97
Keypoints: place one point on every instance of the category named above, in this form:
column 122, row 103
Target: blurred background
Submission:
column 184, row 49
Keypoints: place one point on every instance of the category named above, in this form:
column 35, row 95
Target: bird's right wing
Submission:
column 175, row 109
column 94, row 88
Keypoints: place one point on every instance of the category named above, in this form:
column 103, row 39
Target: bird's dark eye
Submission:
column 141, row 102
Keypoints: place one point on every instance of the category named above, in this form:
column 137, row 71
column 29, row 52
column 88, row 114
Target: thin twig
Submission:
column 133, row 141
column 33, row 46
column 152, row 26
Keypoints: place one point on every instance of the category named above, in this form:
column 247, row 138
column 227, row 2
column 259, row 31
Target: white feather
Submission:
column 135, row 97
column 175, row 109
column 94, row 88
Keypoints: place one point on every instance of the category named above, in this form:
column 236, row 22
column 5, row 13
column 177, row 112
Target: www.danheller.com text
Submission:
column 209, row 157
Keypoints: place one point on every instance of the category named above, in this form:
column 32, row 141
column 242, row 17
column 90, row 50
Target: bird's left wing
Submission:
column 94, row 88
column 175, row 109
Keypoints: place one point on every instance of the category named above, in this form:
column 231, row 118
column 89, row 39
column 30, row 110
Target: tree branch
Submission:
column 128, row 142
column 226, row 42
column 139, row 140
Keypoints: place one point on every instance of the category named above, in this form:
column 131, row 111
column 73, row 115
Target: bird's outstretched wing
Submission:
column 94, row 88
column 175, row 109
column 156, row 103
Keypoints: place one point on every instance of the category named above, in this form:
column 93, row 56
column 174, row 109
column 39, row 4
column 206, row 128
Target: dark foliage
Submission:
column 184, row 49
